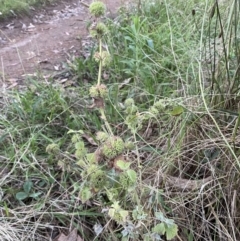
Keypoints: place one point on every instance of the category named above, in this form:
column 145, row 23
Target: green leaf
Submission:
column 112, row 193
column 42, row 183
column 147, row 237
column 178, row 110
column 91, row 158
column 81, row 163
column 111, row 212
column 27, row 186
column 123, row 214
column 159, row 216
column 116, row 206
column 171, row 231
column 159, row 228
column 169, row 222
column 85, row 194
column 132, row 175
column 73, row 131
column 80, row 145
column 139, row 214
column 123, row 165
column 150, row 43
column 21, row 196
column 35, row 195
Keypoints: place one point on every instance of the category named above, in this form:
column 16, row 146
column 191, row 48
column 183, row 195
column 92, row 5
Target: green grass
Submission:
column 12, row 7
column 185, row 133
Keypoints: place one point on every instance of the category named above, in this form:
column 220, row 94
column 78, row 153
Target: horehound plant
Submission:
column 107, row 175
column 106, row 169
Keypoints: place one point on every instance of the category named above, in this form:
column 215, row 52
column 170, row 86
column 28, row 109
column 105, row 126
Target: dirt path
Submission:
column 45, row 39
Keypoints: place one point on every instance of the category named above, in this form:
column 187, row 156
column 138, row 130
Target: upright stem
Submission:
column 138, row 158
column 103, row 116
column 100, row 62
column 235, row 129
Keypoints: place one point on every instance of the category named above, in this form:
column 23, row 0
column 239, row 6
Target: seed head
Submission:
column 101, row 136
column 52, row 148
column 113, row 147
column 97, row 9
column 105, row 57
column 129, row 102
column 97, row 91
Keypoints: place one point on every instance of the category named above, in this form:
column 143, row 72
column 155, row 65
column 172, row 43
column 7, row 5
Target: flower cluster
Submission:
column 52, row 148
column 129, row 145
column 97, row 9
column 89, row 170
column 99, row 30
column 117, row 213
column 105, row 57
column 101, row 136
column 98, row 179
column 113, row 147
column 125, row 180
column 98, row 91
column 80, row 149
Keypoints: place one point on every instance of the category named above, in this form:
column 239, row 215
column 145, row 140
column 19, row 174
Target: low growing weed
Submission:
column 107, row 175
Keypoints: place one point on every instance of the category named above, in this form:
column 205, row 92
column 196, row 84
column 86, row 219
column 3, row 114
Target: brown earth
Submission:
column 45, row 38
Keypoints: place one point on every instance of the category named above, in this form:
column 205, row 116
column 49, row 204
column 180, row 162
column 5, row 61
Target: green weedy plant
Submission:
column 27, row 192
column 106, row 174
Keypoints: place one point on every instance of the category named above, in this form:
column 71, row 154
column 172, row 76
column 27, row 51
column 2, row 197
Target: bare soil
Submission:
column 44, row 39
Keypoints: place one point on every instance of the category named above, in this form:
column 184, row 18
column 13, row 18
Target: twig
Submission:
column 84, row 4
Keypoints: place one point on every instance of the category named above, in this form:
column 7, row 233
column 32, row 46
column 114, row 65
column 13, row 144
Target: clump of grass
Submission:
column 148, row 149
column 12, row 7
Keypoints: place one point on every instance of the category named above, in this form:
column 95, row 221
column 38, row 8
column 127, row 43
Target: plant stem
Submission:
column 103, row 116
column 235, row 129
column 100, row 62
column 138, row 159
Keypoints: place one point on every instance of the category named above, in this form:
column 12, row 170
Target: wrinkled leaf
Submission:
column 81, row 163
column 159, row 216
column 98, row 228
column 91, row 157
column 169, row 222
column 79, row 145
column 116, row 206
column 171, row 231
column 132, row 175
column 21, row 196
column 112, row 194
column 124, row 215
column 85, row 194
column 178, row 110
column 111, row 212
column 159, row 228
column 139, row 214
column 147, row 237
column 152, row 236
column 35, row 195
column 123, row 165
column 27, row 186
